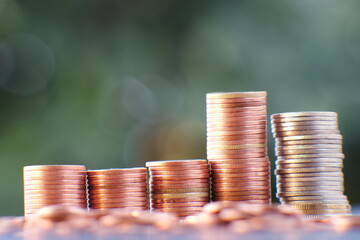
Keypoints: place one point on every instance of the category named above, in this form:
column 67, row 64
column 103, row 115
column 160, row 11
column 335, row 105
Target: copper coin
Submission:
column 225, row 179
column 315, row 198
column 234, row 100
column 116, row 171
column 318, row 202
column 239, row 128
column 276, row 129
column 176, row 162
column 242, row 147
column 233, row 115
column 236, row 142
column 58, row 173
column 238, row 161
column 244, row 174
column 54, row 167
column 179, row 190
column 220, row 189
column 309, row 146
column 241, row 198
column 118, row 200
column 179, row 176
column 55, row 201
column 54, row 177
column 303, row 119
column 235, row 157
column 183, row 181
column 276, row 123
column 240, row 170
column 39, row 205
column 117, row 190
column 55, row 187
column 319, row 155
column 242, row 118
column 179, row 200
column 249, row 138
column 118, row 205
column 188, row 167
column 123, row 175
column 55, row 182
column 180, row 209
column 226, row 103
column 215, row 124
column 55, row 191
column 177, row 186
column 308, row 170
column 218, row 133
column 305, row 132
column 54, row 196
column 178, row 172
column 245, row 192
column 118, row 195
column 241, row 184
column 306, row 151
column 179, row 195
column 117, row 185
column 312, row 174
column 241, row 166
column 215, row 108
column 227, row 95
column 175, row 205
column 134, row 208
column 116, row 181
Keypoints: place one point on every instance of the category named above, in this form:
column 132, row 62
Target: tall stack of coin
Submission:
column 46, row 185
column 118, row 188
column 309, row 162
column 180, row 186
column 237, row 146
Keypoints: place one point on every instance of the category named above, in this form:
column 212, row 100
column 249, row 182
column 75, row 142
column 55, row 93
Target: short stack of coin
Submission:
column 181, row 187
column 309, row 163
column 118, row 188
column 237, row 146
column 46, row 185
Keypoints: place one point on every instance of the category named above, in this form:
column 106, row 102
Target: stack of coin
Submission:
column 309, row 162
column 237, row 146
column 46, row 185
column 118, row 188
column 180, row 186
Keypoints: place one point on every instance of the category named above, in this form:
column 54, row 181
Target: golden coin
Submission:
column 54, row 168
column 320, row 206
column 309, row 161
column 308, row 193
column 179, row 200
column 326, row 211
column 319, row 155
column 230, row 147
column 226, row 95
column 317, row 202
column 308, row 165
column 309, row 142
column 315, row 198
column 304, row 114
column 176, row 162
column 179, row 195
column 177, row 190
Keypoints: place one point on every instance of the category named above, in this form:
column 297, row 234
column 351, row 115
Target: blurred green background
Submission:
column 118, row 83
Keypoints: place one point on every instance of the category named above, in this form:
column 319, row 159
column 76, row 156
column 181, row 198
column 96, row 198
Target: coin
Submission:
column 311, row 174
column 226, row 95
column 177, row 190
column 305, row 151
column 311, row 188
column 179, row 181
column 53, row 177
column 308, row 142
column 304, row 180
column 240, row 170
column 175, row 162
column 119, row 200
column 276, row 123
column 313, row 198
column 326, row 136
column 308, row 184
column 118, row 205
column 118, row 181
column 181, row 172
column 179, row 186
column 236, row 166
column 179, row 195
column 310, row 146
column 54, row 201
column 240, row 198
column 304, row 114
column 179, row 176
column 309, row 193
column 308, row 170
column 318, row 202
column 318, row 155
column 234, row 147
column 326, row 211
column 309, row 165
column 203, row 167
column 226, row 179
column 117, row 171
column 54, row 182
column 309, row 161
column 180, row 200
column 218, row 185
column 246, row 189
column 119, row 195
column 320, row 206
column 313, row 128
column 54, row 187
column 54, row 168
column 216, row 123
column 175, row 205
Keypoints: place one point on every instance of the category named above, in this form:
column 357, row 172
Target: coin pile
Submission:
column 237, row 146
column 309, row 163
column 46, row 185
column 180, row 186
column 118, row 188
